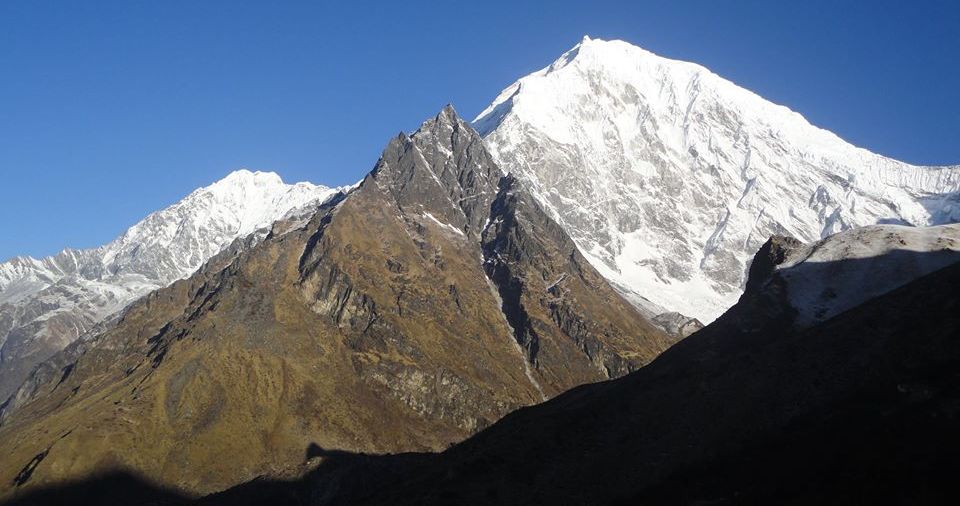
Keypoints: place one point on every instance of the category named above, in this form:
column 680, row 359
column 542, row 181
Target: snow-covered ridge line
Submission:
column 628, row 60
column 669, row 177
column 237, row 205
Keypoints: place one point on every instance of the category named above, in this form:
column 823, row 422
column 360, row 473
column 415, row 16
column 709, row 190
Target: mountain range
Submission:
column 506, row 311
column 48, row 303
column 405, row 314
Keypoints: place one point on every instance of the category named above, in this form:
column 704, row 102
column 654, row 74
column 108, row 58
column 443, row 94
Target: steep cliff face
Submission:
column 402, row 316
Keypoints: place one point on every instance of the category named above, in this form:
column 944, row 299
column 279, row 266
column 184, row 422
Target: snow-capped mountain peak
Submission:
column 669, row 177
column 204, row 222
column 47, row 303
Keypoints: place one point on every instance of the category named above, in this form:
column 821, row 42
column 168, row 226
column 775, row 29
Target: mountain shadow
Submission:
column 113, row 488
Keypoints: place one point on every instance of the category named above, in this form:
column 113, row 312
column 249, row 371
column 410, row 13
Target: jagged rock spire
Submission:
column 442, row 169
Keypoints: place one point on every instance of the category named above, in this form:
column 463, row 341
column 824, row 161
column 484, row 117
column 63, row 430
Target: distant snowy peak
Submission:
column 47, row 303
column 597, row 77
column 670, row 177
column 175, row 242
column 172, row 243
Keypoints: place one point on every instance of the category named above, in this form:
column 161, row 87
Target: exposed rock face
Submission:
column 773, row 253
column 383, row 324
column 47, row 304
column 859, row 407
column 445, row 170
column 670, row 177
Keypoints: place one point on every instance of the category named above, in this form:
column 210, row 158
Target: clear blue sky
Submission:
column 111, row 110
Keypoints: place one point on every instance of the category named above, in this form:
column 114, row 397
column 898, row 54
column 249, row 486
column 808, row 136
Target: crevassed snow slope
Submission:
column 670, row 178
column 47, row 303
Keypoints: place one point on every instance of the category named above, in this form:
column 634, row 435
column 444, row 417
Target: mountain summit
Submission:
column 669, row 177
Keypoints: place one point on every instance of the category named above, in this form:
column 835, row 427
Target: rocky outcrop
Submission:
column 795, row 284
column 773, row 253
